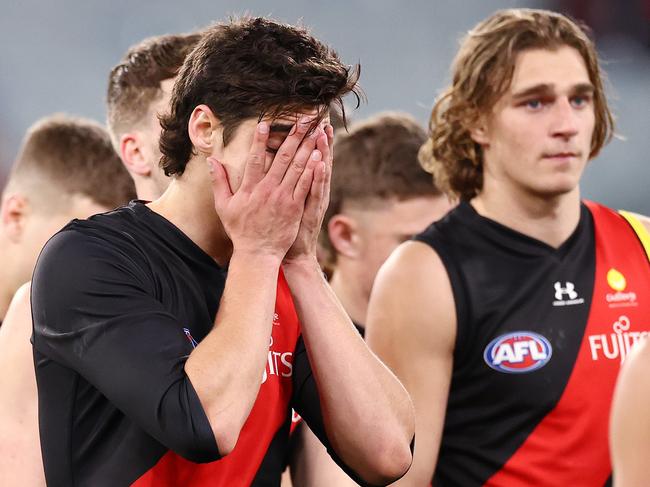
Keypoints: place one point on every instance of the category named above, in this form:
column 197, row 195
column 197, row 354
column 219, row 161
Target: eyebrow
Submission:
column 281, row 127
column 545, row 88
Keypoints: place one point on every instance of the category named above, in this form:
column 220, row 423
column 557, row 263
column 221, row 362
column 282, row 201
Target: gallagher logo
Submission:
column 518, row 352
column 620, row 298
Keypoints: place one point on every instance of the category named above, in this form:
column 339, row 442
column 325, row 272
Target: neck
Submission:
column 149, row 187
column 188, row 204
column 351, row 295
column 551, row 220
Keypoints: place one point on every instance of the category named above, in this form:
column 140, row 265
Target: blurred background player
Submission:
column 499, row 318
column 380, row 197
column 139, row 89
column 66, row 169
column 61, row 173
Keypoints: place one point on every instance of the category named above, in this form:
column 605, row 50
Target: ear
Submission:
column 479, row 132
column 343, row 234
column 14, row 212
column 133, row 154
column 203, row 129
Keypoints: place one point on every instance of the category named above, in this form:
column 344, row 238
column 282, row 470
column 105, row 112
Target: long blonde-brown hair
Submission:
column 482, row 71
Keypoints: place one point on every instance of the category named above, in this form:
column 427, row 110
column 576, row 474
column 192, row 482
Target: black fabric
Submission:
column 110, row 299
column 503, row 281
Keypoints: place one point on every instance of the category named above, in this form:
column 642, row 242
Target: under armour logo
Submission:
column 568, row 290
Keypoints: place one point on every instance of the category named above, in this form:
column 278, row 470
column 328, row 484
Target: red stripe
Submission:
column 570, row 445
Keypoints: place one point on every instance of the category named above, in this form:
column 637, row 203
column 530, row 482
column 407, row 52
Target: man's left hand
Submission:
column 304, row 247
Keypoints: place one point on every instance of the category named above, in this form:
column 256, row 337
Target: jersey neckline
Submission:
column 520, row 241
column 140, row 208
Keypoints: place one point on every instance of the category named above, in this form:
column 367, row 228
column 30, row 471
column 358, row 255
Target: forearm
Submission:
column 367, row 413
column 226, row 367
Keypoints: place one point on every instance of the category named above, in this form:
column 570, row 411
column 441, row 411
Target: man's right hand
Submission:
column 263, row 216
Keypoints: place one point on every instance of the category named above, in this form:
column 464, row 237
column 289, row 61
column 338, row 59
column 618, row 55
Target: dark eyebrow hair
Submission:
column 281, row 127
column 545, row 88
column 583, row 88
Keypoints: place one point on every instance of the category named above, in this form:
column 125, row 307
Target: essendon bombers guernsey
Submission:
column 119, row 302
column 541, row 334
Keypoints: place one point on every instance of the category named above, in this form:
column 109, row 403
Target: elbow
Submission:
column 226, row 440
column 226, row 432
column 388, row 462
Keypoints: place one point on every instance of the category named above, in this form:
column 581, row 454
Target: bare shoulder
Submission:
column 18, row 320
column 412, row 298
column 413, row 263
column 16, row 356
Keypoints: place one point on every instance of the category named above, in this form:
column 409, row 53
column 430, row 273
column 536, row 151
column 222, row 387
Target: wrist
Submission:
column 301, row 264
column 257, row 257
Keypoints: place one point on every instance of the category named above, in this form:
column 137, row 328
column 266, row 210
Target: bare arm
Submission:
column 20, row 449
column 412, row 328
column 367, row 413
column 262, row 218
column 630, row 421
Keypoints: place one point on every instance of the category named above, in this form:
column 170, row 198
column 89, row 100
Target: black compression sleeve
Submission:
column 94, row 312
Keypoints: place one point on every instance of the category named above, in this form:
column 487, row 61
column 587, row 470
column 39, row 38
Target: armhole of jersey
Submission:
column 461, row 305
column 639, row 229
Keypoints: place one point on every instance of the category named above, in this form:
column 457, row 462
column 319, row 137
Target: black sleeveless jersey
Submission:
column 526, row 404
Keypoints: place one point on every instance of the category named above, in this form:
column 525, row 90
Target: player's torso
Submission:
column 189, row 286
column 541, row 334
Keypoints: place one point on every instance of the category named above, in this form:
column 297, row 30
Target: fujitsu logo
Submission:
column 566, row 295
column 615, row 345
column 278, row 363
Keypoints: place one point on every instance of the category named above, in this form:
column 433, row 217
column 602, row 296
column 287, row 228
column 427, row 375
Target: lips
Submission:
column 561, row 155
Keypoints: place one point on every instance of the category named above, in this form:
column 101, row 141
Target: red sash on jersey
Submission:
column 569, row 447
column 268, row 414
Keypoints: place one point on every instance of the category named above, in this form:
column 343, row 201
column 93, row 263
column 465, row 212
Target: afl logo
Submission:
column 518, row 352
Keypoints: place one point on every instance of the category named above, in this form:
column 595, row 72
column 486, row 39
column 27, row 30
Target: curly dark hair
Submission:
column 250, row 68
column 482, row 71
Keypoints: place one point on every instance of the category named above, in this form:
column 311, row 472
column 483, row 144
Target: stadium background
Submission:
column 55, row 56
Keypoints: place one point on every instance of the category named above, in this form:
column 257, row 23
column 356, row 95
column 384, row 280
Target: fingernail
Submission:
column 316, row 155
column 263, row 128
column 210, row 162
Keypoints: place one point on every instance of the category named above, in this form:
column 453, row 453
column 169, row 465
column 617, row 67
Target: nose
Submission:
column 564, row 119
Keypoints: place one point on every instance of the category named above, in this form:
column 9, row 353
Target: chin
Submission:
column 558, row 187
